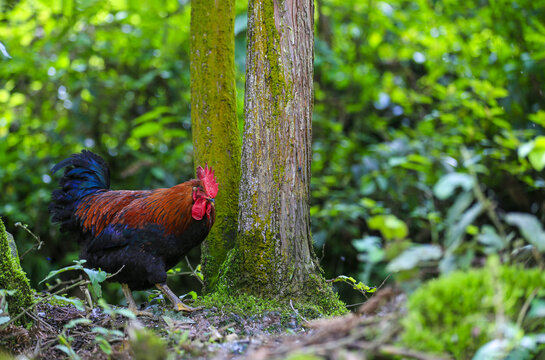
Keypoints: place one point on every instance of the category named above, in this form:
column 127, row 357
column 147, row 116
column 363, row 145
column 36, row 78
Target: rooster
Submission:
column 137, row 235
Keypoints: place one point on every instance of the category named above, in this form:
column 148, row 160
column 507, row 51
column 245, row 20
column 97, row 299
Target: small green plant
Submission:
column 65, row 339
column 96, row 277
column 356, row 285
column 178, row 339
column 4, row 314
column 113, row 312
column 105, row 337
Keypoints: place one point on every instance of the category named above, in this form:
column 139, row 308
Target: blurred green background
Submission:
column 426, row 128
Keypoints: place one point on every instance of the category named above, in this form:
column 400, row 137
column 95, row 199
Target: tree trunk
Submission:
column 274, row 255
column 214, row 121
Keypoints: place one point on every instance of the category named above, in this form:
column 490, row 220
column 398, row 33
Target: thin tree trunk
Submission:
column 273, row 255
column 214, row 121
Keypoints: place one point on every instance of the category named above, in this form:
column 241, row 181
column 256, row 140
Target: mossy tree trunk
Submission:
column 214, row 121
column 273, row 256
column 12, row 277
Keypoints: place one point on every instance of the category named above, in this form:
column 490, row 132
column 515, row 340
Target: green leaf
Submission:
column 411, row 257
column 356, row 285
column 96, row 277
column 448, row 183
column 77, row 266
column 192, row 294
column 78, row 321
column 4, row 51
column 455, row 233
column 462, row 202
column 126, row 313
column 538, row 118
column 491, row 240
column 151, row 115
column 537, row 310
column 530, row 228
column 78, row 304
column 495, row 349
column 147, row 129
column 389, row 226
column 525, row 149
column 537, row 158
column 4, row 292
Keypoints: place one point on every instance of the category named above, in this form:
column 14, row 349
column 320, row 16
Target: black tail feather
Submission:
column 85, row 173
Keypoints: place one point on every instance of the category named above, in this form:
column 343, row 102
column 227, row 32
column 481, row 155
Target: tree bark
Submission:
column 274, row 255
column 216, row 137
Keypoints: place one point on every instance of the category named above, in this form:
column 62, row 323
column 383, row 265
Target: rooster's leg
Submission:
column 178, row 304
column 131, row 303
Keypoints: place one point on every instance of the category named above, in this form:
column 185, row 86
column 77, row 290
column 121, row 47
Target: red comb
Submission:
column 206, row 175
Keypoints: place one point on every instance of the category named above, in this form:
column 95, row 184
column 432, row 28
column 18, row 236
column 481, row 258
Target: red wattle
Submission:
column 199, row 208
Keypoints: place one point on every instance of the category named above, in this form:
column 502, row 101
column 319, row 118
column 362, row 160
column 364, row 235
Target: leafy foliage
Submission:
column 402, row 87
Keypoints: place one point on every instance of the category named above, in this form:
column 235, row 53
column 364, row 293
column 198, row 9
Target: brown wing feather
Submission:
column 169, row 207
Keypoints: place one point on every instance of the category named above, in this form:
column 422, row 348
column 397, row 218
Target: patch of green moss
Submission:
column 456, row 313
column 250, row 305
column 323, row 296
column 317, row 299
column 12, row 277
column 240, row 304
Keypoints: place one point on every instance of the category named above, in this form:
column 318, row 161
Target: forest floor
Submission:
column 212, row 333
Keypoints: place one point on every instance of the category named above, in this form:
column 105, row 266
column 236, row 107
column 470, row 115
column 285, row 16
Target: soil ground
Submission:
column 213, row 333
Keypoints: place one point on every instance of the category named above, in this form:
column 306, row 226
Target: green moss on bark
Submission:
column 313, row 295
column 215, row 129
column 12, row 277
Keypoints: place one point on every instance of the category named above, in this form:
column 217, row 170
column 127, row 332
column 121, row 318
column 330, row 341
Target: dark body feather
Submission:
column 143, row 232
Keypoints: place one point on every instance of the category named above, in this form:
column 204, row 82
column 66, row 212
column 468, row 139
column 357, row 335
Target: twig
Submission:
column 225, row 327
column 193, row 271
column 525, row 307
column 49, row 296
column 115, row 273
column 384, row 281
column 181, row 273
column 87, row 294
column 36, row 246
column 297, row 312
column 37, row 348
column 61, row 283
column 487, row 204
column 38, row 320
column 538, row 257
column 356, row 304
column 394, row 350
